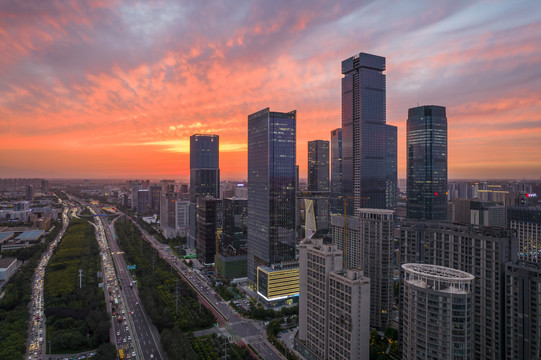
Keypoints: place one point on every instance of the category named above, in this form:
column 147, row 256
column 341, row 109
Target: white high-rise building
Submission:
column 437, row 313
column 334, row 305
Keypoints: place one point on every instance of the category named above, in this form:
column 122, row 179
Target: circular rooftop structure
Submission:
column 436, row 272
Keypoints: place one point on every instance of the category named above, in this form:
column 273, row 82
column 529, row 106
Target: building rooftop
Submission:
column 32, row 235
column 5, row 262
column 5, row 236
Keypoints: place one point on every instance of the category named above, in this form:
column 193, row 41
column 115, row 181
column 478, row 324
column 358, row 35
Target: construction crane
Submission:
column 346, row 198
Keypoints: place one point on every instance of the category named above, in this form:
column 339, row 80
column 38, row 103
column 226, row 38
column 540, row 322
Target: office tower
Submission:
column 318, row 181
column 436, row 313
column 366, row 178
column 135, row 187
column 526, row 221
column 235, row 232
column 369, row 243
column 318, row 165
column 482, row 252
column 208, row 211
column 336, row 172
column 271, row 189
column 155, row 192
column 204, row 175
column 143, row 202
column 427, row 163
column 391, row 168
column 334, row 305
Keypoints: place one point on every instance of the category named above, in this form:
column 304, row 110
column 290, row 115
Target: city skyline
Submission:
column 113, row 90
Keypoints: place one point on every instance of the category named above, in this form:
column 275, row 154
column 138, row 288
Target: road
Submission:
column 37, row 338
column 135, row 332
column 250, row 331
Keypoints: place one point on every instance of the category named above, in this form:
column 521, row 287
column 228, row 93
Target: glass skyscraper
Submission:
column 204, row 175
column 367, row 165
column 271, row 189
column 318, row 165
column 427, row 163
column 336, row 171
column 318, row 181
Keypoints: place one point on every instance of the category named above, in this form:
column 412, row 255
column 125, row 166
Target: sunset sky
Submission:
column 114, row 89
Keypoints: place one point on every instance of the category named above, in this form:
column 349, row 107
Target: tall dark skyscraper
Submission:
column 318, row 165
column 318, row 181
column 427, row 163
column 204, row 175
column 271, row 188
column 336, row 171
column 365, row 159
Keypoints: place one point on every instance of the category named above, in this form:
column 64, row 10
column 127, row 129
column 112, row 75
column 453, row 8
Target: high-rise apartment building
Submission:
column 369, row 243
column 336, row 172
column 204, row 175
column 143, row 202
column 318, row 181
column 271, row 189
column 523, row 285
column 427, row 163
column 482, row 252
column 334, row 305
column 437, row 313
column 368, row 168
column 522, row 310
column 135, row 187
column 526, row 221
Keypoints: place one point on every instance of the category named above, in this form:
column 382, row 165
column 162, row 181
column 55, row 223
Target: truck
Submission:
column 121, row 354
column 119, row 318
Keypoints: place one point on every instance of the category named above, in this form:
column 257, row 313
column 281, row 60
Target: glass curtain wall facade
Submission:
column 427, row 163
column 364, row 133
column 204, row 175
column 336, row 171
column 318, row 181
column 271, row 189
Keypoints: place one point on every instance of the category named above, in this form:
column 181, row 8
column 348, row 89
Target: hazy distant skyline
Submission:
column 113, row 89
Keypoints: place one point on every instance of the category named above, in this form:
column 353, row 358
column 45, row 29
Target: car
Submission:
column 133, row 354
column 152, row 356
column 118, row 333
column 124, row 339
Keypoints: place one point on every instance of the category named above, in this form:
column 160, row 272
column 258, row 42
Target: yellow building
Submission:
column 277, row 286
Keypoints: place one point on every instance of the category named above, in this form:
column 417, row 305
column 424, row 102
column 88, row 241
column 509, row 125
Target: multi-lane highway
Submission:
column 37, row 341
column 133, row 329
column 252, row 332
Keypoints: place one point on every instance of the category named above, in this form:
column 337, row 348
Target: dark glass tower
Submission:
column 365, row 159
column 427, row 163
column 336, row 171
column 318, row 165
column 318, row 181
column 204, row 175
column 271, row 188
